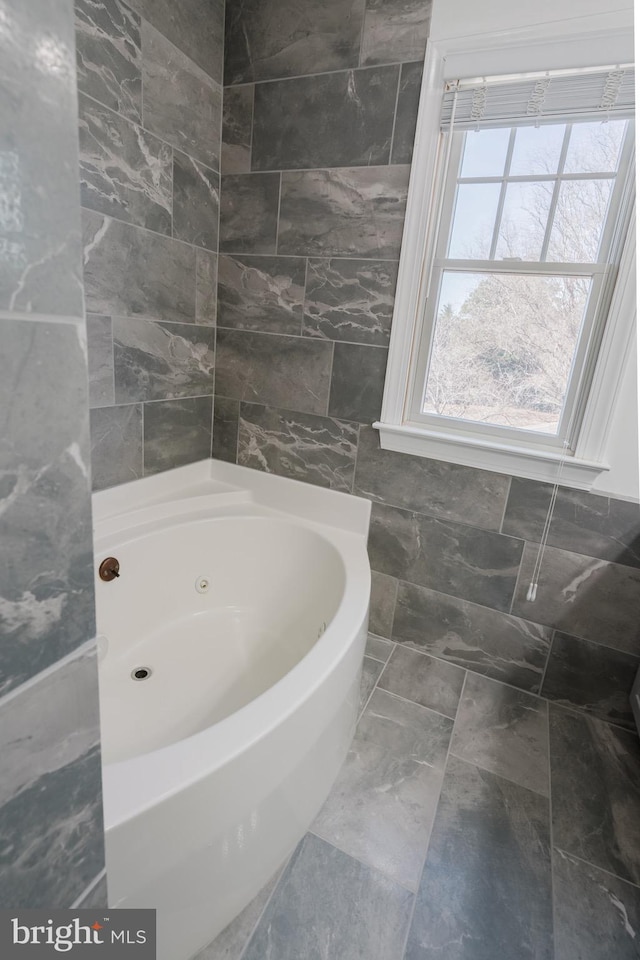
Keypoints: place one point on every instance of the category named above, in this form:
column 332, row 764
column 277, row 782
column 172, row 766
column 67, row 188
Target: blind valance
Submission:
column 554, row 97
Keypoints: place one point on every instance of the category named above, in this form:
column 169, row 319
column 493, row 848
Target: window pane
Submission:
column 485, row 152
column 578, row 221
column 537, row 149
column 503, row 348
column 595, row 147
column 474, row 219
column 524, row 220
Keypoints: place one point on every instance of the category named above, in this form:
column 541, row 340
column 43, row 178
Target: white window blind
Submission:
column 553, row 97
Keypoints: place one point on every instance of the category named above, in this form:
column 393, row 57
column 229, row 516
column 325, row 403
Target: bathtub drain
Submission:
column 141, row 673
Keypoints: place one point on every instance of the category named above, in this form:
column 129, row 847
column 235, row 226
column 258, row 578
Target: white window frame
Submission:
column 535, row 48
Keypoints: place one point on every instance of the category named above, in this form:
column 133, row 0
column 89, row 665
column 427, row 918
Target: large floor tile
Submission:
column 230, row 944
column 371, row 670
column 329, row 906
column 485, row 892
column 382, row 605
column 382, row 805
column 596, row 916
column 595, row 792
column 505, row 731
column 378, row 649
column 419, row 677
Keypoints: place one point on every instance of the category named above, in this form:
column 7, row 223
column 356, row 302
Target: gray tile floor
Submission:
column 471, row 821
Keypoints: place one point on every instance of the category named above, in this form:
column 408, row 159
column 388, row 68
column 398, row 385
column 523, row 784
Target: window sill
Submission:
column 530, row 463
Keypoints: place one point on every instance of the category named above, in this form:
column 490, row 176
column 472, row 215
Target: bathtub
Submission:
column 242, row 604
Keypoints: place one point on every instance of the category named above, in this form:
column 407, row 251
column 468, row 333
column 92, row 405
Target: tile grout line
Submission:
column 175, row 45
column 355, row 465
column 150, row 133
column 113, row 359
column 319, row 169
column 86, row 648
column 264, row 909
column 437, row 807
column 572, row 708
column 395, row 609
column 361, row 38
column 142, row 418
column 325, row 73
column 504, row 508
column 237, row 451
column 329, row 392
column 77, row 903
column 277, row 238
column 297, row 256
column 398, row 696
column 293, row 336
column 547, row 661
column 363, row 863
column 304, row 296
column 594, row 866
column 395, row 117
column 500, row 776
column 551, row 847
column 251, row 123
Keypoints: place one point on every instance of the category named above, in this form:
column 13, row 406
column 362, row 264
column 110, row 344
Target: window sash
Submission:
column 602, row 275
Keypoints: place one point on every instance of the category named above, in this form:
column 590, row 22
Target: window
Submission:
column 522, row 303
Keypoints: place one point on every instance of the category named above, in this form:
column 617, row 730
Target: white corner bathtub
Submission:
column 245, row 596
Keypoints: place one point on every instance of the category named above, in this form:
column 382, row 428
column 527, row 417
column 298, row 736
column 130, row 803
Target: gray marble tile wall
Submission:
column 150, row 116
column 320, row 106
column 51, row 831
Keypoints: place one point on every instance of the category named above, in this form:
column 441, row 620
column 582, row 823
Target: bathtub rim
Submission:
column 139, row 783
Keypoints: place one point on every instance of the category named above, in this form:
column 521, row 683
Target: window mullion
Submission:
column 556, row 193
column 536, row 267
column 503, row 193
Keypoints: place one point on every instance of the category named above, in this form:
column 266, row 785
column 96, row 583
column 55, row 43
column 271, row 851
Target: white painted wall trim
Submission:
column 396, row 431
